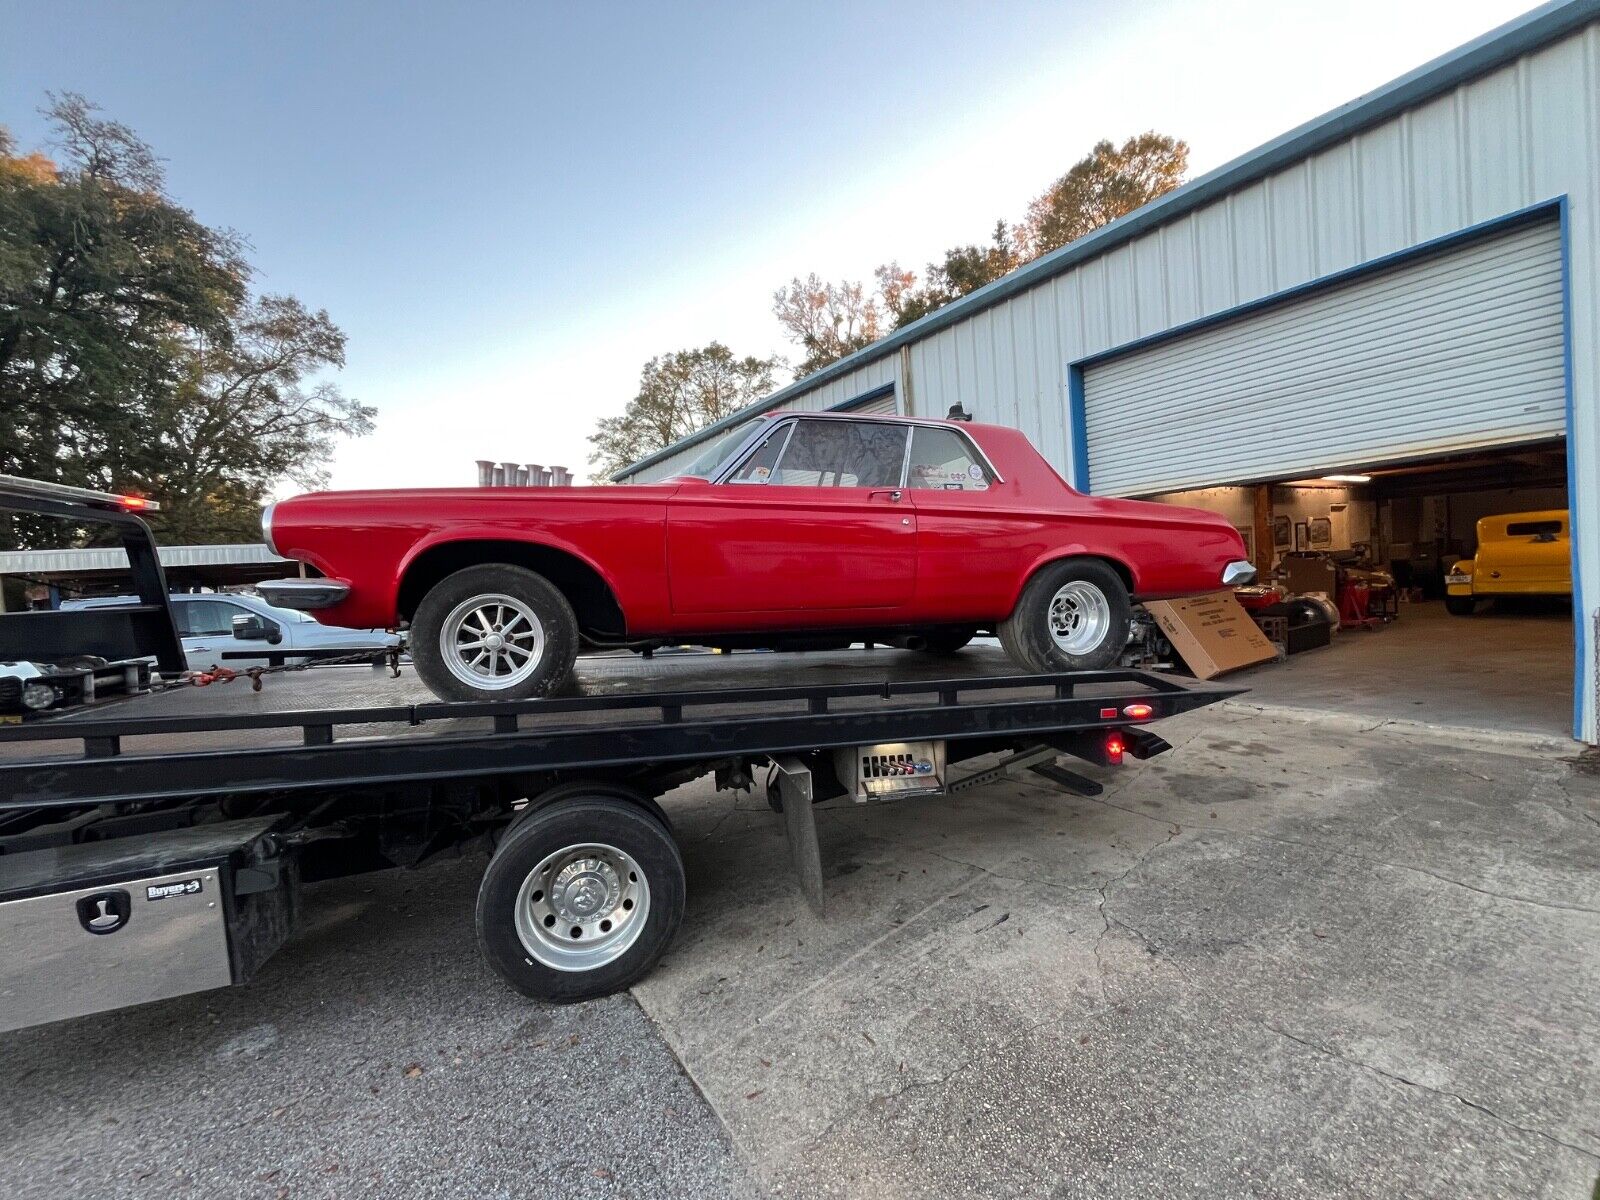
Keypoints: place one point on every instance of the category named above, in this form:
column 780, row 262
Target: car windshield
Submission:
column 708, row 463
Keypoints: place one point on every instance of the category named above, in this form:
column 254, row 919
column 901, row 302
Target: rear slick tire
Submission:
column 1072, row 616
column 1460, row 606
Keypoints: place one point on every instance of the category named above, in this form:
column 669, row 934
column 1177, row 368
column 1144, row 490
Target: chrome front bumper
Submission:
column 1237, row 574
column 307, row 595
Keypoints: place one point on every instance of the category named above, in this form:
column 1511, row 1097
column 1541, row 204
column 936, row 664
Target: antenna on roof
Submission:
column 957, row 413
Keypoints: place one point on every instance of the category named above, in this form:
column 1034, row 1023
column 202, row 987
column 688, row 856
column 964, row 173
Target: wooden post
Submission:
column 1264, row 549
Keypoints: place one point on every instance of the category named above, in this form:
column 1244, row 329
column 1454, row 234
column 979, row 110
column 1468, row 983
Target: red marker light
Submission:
column 1108, row 714
column 1114, row 748
column 1137, row 711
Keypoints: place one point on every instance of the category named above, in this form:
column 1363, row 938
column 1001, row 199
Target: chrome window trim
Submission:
column 751, row 451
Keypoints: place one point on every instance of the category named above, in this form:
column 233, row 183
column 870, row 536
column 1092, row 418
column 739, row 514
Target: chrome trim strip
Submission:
column 266, row 527
column 1238, row 573
column 303, row 595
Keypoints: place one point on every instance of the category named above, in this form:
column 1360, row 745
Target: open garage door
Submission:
column 1443, row 353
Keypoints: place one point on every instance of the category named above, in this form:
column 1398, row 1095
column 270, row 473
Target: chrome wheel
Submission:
column 582, row 907
column 491, row 642
column 1079, row 617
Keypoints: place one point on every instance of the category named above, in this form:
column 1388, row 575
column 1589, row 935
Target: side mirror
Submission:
column 255, row 628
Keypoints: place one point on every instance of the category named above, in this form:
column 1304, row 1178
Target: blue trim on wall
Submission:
column 1545, row 24
column 877, row 393
column 1078, row 426
column 1580, row 614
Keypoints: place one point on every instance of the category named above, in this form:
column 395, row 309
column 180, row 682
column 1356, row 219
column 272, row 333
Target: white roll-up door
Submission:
column 883, row 406
column 1443, row 353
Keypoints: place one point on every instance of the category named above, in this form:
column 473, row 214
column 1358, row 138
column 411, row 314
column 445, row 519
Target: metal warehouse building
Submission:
column 1406, row 288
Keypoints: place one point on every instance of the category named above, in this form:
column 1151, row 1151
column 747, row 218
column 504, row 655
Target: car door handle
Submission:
column 893, row 494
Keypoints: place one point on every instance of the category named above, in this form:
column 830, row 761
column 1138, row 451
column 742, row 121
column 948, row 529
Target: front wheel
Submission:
column 494, row 632
column 581, row 897
column 1072, row 616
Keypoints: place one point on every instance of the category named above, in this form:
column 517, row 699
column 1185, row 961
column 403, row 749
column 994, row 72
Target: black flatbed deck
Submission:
column 358, row 726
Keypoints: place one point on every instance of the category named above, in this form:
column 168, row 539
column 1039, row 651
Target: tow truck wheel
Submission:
column 1072, row 616
column 581, row 898
column 494, row 632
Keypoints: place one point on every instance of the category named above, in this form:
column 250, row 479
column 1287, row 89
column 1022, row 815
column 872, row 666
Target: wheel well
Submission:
column 591, row 597
column 1121, row 568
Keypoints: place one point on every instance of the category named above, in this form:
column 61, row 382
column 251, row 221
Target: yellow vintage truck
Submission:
column 1519, row 554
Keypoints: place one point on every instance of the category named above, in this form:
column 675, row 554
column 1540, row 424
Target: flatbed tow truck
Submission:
column 155, row 843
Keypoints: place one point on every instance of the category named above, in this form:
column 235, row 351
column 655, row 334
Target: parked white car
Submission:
column 214, row 624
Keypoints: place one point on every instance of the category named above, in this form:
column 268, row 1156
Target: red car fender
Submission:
column 1057, row 554
column 497, row 533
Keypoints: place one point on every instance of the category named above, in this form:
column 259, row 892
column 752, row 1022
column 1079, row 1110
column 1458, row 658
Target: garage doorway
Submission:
column 1368, row 420
column 1508, row 666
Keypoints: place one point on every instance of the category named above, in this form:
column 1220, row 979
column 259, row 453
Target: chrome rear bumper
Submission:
column 1237, row 574
column 307, row 595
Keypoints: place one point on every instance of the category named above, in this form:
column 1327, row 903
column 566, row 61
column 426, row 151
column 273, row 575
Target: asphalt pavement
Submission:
column 1299, row 956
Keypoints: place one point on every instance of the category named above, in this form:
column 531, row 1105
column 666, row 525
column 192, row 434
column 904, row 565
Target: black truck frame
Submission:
column 147, row 856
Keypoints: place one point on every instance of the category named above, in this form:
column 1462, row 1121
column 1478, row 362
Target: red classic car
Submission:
column 793, row 531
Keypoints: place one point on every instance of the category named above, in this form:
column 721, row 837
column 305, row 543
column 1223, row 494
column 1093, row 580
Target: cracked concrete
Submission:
column 1287, row 959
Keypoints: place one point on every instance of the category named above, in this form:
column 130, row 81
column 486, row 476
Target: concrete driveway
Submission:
column 1292, row 958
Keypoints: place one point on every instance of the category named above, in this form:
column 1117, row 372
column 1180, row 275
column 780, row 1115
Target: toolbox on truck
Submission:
column 100, row 925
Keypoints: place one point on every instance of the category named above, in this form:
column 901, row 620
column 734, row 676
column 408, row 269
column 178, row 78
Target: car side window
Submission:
column 942, row 460
column 207, row 618
column 758, row 467
column 842, row 454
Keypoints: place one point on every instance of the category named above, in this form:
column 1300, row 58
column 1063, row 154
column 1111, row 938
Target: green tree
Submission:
column 1108, row 182
column 679, row 394
column 826, row 320
column 829, row 321
column 964, row 269
column 122, row 318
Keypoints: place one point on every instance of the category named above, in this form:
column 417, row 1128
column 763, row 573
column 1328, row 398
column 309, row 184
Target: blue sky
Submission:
column 509, row 207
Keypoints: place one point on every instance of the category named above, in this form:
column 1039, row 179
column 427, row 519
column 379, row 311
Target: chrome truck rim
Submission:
column 1080, row 616
column 582, row 907
column 492, row 641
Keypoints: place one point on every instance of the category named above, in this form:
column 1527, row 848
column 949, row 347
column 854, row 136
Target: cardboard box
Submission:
column 1212, row 633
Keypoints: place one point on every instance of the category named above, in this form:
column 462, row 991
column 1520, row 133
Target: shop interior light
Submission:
column 1347, row 479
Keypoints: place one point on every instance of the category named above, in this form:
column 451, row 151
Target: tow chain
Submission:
column 220, row 674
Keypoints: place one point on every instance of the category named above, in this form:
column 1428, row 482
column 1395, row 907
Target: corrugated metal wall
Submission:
column 1522, row 134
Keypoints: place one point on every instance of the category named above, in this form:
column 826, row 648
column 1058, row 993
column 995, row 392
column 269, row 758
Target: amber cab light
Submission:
column 133, row 501
column 1137, row 711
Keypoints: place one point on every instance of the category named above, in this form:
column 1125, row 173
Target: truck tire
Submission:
column 1072, row 616
column 1460, row 606
column 581, row 898
column 494, row 632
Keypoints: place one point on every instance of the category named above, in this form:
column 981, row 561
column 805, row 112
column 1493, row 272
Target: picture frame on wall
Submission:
column 1249, row 541
column 1320, row 532
column 1282, row 531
